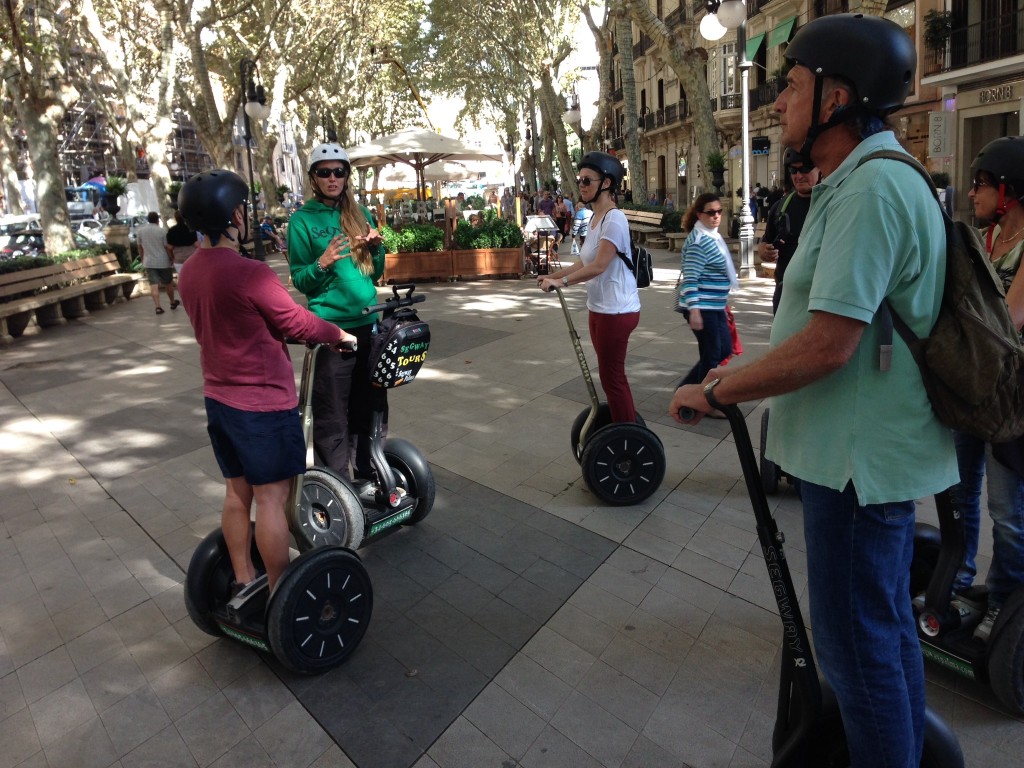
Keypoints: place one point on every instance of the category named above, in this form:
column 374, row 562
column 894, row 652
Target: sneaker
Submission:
column 983, row 630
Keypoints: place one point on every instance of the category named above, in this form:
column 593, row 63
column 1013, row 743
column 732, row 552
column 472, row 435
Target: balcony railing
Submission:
column 827, row 8
column 641, row 46
column 994, row 38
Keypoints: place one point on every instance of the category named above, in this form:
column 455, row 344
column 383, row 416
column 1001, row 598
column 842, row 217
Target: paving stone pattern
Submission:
column 522, row 623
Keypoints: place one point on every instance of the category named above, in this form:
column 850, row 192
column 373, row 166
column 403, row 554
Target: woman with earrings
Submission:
column 708, row 274
column 997, row 191
column 336, row 257
column 612, row 296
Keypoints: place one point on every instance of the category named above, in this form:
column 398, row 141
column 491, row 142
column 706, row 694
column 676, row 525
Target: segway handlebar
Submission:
column 397, row 301
column 349, row 346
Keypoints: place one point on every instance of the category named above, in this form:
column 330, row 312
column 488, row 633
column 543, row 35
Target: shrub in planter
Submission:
column 413, row 238
column 24, row 262
column 495, row 232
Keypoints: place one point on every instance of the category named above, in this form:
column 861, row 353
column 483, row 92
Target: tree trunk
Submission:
column 638, row 180
column 688, row 65
column 9, row 171
column 33, row 71
column 552, row 109
column 594, row 138
column 162, row 125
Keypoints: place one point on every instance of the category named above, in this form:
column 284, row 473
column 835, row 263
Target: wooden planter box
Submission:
column 418, row 265
column 488, row 262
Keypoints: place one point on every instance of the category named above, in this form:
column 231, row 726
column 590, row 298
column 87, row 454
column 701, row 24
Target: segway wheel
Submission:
column 623, row 464
column 320, row 610
column 329, row 512
column 1006, row 654
column 412, row 472
column 208, row 580
column 602, row 419
column 770, row 472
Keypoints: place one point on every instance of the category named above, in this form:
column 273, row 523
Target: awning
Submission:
column 781, row 33
column 753, row 44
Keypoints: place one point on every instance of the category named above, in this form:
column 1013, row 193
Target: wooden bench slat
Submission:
column 57, row 291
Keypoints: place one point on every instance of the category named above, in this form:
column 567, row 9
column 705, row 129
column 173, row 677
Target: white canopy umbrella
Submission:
column 418, row 148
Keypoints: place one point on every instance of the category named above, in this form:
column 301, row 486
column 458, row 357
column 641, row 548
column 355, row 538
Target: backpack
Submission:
column 972, row 361
column 398, row 348
column 640, row 265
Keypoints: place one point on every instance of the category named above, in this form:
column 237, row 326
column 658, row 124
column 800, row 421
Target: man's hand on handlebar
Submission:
column 346, row 343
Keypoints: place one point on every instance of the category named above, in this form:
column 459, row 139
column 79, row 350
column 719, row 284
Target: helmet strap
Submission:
column 839, row 116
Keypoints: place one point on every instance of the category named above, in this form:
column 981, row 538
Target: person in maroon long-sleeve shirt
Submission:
column 241, row 314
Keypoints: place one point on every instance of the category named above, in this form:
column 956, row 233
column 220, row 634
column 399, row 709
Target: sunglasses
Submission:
column 978, row 184
column 326, row 173
column 793, row 170
column 584, row 181
column 713, row 212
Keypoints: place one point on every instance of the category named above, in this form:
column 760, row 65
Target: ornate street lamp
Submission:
column 732, row 14
column 255, row 108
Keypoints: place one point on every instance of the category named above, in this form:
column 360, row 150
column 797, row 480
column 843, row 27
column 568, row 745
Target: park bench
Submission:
column 646, row 228
column 59, row 292
column 676, row 240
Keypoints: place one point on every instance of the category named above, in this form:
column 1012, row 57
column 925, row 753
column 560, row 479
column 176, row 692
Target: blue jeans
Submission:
column 858, row 578
column 713, row 342
column 1005, row 507
column 970, row 459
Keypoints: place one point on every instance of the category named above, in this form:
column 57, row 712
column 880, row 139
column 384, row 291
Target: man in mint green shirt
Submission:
column 863, row 442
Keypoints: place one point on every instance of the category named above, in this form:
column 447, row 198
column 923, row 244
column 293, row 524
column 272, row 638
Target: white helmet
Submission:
column 327, row 152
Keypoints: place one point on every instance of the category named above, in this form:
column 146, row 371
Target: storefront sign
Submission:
column 994, row 95
column 940, row 134
column 760, row 145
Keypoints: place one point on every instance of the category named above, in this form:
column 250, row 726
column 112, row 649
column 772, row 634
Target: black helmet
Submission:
column 208, row 199
column 792, row 157
column 1004, row 159
column 605, row 164
column 873, row 53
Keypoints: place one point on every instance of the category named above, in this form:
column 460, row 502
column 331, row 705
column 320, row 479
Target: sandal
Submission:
column 159, row 310
column 175, row 304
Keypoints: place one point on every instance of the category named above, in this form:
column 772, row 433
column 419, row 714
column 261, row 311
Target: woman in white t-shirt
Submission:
column 612, row 296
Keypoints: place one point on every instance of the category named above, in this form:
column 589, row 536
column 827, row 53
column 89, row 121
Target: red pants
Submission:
column 610, row 336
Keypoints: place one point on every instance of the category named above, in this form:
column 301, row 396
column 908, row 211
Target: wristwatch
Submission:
column 709, row 393
column 565, row 281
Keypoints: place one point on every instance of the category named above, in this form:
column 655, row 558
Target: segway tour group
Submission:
column 310, row 612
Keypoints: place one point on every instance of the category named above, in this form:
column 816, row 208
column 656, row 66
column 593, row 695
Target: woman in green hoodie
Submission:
column 336, row 257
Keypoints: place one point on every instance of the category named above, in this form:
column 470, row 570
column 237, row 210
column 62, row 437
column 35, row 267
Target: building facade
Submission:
column 670, row 158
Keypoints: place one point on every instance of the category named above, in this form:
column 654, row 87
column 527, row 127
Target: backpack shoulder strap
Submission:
column 903, row 157
column 887, row 316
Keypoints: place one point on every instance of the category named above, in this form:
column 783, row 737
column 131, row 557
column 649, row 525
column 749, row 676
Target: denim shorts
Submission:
column 261, row 447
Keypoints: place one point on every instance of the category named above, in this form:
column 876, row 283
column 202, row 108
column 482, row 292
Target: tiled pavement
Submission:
column 520, row 624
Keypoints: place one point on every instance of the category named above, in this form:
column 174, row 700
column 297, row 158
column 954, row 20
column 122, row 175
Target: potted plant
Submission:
column 415, row 252
column 938, row 27
column 116, row 186
column 172, row 192
column 716, row 167
column 492, row 248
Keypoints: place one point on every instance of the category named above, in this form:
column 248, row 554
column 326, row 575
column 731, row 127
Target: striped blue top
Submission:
column 705, row 283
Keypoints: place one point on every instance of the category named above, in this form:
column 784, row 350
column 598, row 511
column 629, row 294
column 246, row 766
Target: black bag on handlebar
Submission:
column 398, row 348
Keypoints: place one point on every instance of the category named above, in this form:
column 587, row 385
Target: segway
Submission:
column 808, row 727
column 622, row 463
column 946, row 622
column 321, row 607
column 402, row 489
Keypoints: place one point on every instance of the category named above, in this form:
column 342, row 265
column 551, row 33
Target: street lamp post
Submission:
column 255, row 108
column 732, row 14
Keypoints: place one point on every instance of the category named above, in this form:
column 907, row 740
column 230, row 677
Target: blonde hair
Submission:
column 354, row 224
